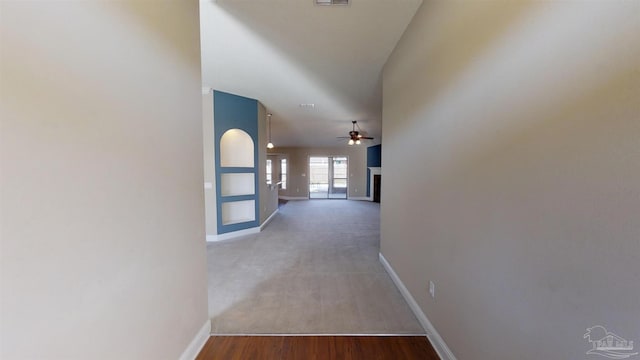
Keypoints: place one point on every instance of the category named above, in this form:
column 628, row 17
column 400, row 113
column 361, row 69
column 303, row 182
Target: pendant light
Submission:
column 269, row 144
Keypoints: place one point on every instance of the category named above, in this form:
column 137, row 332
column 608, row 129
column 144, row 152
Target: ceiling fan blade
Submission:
column 366, row 137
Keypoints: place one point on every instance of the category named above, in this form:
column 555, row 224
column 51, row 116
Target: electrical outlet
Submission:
column 432, row 289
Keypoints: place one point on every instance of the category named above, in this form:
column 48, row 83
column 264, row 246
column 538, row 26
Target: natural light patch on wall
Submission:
column 236, row 149
column 524, row 118
column 254, row 45
column 533, row 51
column 225, row 35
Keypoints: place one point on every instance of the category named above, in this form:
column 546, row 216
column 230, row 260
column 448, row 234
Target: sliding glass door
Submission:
column 318, row 177
column 338, row 181
column 328, row 177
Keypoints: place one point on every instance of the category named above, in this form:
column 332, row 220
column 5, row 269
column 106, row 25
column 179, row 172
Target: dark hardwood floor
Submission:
column 317, row 348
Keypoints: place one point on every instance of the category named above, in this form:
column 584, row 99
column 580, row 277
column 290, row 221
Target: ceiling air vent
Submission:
column 332, row 2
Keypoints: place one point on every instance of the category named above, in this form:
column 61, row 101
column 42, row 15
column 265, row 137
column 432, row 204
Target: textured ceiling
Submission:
column 290, row 52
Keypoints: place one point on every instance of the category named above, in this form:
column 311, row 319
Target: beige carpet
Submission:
column 313, row 270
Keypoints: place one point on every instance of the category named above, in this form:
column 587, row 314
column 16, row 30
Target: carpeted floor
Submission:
column 313, row 270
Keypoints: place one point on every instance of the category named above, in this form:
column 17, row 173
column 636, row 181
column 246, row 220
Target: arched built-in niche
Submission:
column 237, row 179
column 236, row 149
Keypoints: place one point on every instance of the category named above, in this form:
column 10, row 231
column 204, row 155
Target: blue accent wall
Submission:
column 235, row 112
column 374, row 159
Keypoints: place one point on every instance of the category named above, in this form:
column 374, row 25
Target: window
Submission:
column 283, row 173
column 268, row 171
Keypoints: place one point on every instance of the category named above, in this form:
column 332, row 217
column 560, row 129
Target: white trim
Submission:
column 293, row 197
column 243, row 232
column 192, row 351
column 436, row 340
column 363, row 198
column 268, row 219
column 233, row 234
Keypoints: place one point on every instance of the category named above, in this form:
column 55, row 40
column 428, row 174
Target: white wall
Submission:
column 268, row 196
column 103, row 252
column 211, row 211
column 512, row 173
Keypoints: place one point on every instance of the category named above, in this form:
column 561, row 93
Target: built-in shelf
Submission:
column 236, row 149
column 237, row 178
column 237, row 221
column 233, row 184
column 235, row 212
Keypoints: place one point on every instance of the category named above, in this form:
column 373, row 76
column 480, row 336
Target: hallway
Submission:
column 313, row 270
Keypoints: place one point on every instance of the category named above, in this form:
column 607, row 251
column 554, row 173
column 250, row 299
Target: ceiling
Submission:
column 285, row 53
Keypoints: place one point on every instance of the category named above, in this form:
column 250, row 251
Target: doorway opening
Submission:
column 328, row 177
column 376, row 187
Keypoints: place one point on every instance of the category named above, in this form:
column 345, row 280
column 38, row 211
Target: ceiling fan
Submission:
column 355, row 135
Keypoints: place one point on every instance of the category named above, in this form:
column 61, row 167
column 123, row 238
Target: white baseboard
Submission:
column 361, row 198
column 192, row 351
column 436, row 340
column 266, row 222
column 243, row 232
column 293, row 197
column 233, row 234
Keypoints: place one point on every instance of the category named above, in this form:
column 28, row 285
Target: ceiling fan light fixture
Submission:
column 355, row 138
column 270, row 145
